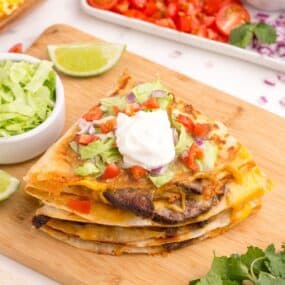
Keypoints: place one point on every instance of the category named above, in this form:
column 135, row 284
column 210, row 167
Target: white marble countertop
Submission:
column 237, row 78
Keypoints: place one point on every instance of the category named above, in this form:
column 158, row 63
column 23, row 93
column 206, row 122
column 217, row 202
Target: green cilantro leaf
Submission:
column 268, row 279
column 265, row 33
column 210, row 279
column 242, row 36
column 275, row 262
column 255, row 267
column 236, row 269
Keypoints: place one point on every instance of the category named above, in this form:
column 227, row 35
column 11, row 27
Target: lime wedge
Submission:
column 8, row 185
column 83, row 60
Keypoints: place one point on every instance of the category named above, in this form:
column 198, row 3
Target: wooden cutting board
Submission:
column 25, row 7
column 262, row 132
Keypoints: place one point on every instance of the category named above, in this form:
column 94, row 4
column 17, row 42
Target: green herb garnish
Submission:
column 243, row 35
column 255, row 267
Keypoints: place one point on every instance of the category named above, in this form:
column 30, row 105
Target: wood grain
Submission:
column 24, row 8
column 262, row 132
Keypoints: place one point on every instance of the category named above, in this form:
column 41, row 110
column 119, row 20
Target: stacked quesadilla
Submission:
column 142, row 172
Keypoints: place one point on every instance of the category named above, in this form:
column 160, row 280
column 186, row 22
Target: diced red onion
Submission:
column 262, row 15
column 131, row 97
column 159, row 170
column 269, row 82
column 282, row 102
column 91, row 130
column 262, row 100
column 83, row 126
column 199, row 141
column 175, row 54
column 281, row 77
column 158, row 93
column 281, row 49
column 265, row 50
column 277, row 49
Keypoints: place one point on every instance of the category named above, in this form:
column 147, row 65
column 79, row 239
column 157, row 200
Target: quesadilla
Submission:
column 139, row 165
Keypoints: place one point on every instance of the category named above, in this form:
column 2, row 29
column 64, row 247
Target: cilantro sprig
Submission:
column 255, row 267
column 244, row 34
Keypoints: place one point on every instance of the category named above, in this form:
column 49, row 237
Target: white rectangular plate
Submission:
column 218, row 47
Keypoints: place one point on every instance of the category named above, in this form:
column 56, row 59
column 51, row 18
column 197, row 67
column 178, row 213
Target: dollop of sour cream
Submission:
column 145, row 139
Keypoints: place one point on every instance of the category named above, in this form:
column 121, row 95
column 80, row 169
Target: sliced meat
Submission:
column 39, row 221
column 193, row 209
column 135, row 200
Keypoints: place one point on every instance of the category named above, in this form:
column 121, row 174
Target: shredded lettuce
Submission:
column 116, row 101
column 209, row 158
column 165, row 101
column 160, row 180
column 143, row 91
column 96, row 148
column 27, row 95
column 111, row 156
column 90, row 169
column 184, row 142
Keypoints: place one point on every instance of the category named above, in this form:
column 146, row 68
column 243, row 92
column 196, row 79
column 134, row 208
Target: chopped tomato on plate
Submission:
column 17, row 48
column 151, row 103
column 111, row 171
column 193, row 153
column 102, row 4
column 85, row 139
column 186, row 122
column 108, row 126
column 138, row 172
column 230, row 17
column 211, row 19
column 80, row 205
column 94, row 114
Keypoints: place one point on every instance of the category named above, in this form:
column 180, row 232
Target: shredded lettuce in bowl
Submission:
column 27, row 95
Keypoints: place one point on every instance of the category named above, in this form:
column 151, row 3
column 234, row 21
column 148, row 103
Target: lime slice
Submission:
column 8, row 185
column 85, row 59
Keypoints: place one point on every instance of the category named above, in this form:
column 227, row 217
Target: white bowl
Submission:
column 268, row 5
column 28, row 145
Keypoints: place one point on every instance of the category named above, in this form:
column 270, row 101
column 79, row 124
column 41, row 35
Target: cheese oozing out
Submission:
column 145, row 139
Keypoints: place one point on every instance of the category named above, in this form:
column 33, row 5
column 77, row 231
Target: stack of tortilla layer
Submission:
column 136, row 217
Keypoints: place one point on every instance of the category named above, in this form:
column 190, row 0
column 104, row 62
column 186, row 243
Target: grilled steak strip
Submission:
column 136, row 200
column 193, row 209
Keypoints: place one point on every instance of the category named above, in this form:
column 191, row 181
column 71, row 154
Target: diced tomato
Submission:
column 201, row 130
column 184, row 22
column 116, row 110
column 186, row 122
column 151, row 103
column 80, row 205
column 133, row 13
column 172, row 10
column 150, row 8
column 108, row 126
column 138, row 172
column 94, row 114
column 122, row 6
column 102, row 4
column 212, row 6
column 230, row 17
column 17, row 48
column 166, row 22
column 138, row 4
column 111, row 171
column 190, row 159
column 86, row 139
